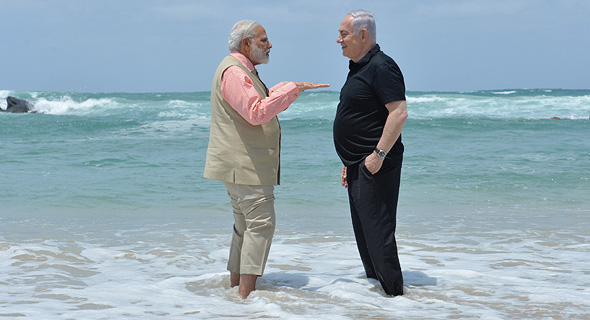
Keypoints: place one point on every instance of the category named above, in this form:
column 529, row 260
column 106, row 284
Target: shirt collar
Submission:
column 365, row 59
column 243, row 60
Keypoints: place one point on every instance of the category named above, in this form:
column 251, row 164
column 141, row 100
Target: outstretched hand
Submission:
column 302, row 86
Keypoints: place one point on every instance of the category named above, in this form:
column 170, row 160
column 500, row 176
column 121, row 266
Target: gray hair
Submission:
column 241, row 29
column 362, row 19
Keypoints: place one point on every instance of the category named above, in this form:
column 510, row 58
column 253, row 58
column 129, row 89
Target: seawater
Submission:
column 104, row 213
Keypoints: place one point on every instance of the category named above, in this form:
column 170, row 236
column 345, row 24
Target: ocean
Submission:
column 104, row 212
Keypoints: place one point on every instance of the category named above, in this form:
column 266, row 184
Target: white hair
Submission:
column 242, row 29
column 362, row 19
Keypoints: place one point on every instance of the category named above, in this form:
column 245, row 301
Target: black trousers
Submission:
column 373, row 206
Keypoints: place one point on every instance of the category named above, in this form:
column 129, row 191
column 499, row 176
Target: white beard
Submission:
column 259, row 55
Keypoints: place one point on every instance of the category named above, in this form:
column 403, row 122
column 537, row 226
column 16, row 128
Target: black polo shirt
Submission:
column 372, row 82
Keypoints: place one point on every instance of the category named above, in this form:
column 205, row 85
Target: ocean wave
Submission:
column 496, row 104
column 499, row 105
column 4, row 94
column 504, row 92
column 67, row 104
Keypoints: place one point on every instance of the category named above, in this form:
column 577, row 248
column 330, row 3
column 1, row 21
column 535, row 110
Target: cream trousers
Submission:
column 254, row 227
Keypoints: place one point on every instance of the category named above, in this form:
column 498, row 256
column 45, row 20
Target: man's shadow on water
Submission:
column 287, row 279
column 411, row 278
column 300, row 280
column 418, row 279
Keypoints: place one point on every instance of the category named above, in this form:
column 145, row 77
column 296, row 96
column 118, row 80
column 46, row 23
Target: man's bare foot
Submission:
column 247, row 284
column 234, row 279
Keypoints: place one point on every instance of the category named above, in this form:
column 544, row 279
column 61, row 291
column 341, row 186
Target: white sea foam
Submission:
column 503, row 106
column 4, row 94
column 174, row 271
column 169, row 126
column 67, row 105
column 504, row 92
column 507, row 104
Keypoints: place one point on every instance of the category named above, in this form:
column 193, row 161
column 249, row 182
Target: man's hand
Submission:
column 302, row 86
column 373, row 163
column 343, row 177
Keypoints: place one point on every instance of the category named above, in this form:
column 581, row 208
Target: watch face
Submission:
column 380, row 153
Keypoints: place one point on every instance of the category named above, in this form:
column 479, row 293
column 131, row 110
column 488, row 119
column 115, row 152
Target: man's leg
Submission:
column 235, row 251
column 234, row 279
column 256, row 203
column 361, row 243
column 376, row 204
column 247, row 284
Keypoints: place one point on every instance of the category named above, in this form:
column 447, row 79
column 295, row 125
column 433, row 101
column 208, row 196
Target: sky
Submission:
column 176, row 45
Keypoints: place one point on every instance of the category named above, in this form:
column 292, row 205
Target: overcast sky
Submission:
column 175, row 45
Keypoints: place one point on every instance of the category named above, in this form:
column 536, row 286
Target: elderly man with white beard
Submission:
column 244, row 147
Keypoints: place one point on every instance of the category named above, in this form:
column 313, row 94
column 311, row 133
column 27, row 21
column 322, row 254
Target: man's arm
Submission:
column 398, row 113
column 239, row 91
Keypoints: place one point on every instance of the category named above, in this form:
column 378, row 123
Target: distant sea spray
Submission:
column 496, row 104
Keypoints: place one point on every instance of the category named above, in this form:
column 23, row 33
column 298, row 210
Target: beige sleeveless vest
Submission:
column 239, row 152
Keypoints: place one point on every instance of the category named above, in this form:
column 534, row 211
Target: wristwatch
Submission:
column 380, row 153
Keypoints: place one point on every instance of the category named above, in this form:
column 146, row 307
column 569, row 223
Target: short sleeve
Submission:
column 389, row 83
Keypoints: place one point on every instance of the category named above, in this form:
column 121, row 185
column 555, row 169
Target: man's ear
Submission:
column 364, row 35
column 245, row 44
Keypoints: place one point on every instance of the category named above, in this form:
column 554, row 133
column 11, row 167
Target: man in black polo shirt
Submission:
column 367, row 135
